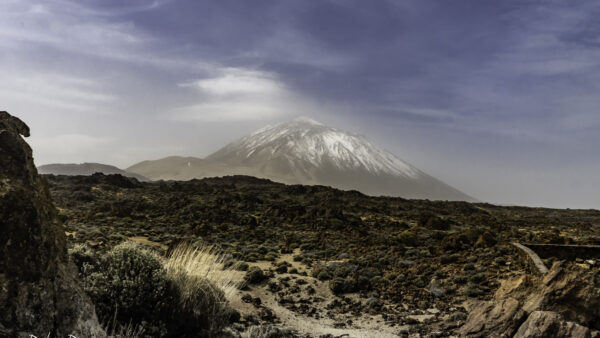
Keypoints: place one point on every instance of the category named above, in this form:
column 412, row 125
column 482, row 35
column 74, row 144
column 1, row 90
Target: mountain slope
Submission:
column 305, row 144
column 85, row 169
column 304, row 151
column 180, row 168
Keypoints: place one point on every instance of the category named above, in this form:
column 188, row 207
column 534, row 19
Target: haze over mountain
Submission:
column 85, row 169
column 304, row 151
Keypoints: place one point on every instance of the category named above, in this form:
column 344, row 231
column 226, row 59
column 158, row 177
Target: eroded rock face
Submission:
column 542, row 324
column 494, row 319
column 565, row 302
column 39, row 292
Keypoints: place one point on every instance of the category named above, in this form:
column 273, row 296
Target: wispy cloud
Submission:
column 238, row 81
column 238, row 94
column 61, row 25
column 55, row 91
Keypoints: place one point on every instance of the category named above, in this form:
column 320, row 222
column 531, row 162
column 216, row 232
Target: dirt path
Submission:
column 362, row 326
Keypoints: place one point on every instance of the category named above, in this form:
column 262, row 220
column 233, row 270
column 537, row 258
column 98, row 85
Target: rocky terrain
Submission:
column 39, row 291
column 325, row 262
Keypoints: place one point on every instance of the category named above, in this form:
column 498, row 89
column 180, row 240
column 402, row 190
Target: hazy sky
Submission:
column 500, row 99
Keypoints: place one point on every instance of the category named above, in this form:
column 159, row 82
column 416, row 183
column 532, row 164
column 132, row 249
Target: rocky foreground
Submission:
column 561, row 303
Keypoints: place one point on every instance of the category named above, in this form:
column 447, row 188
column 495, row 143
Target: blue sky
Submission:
column 497, row 98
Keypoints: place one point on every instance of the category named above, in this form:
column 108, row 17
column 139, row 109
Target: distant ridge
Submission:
column 73, row 169
column 305, row 151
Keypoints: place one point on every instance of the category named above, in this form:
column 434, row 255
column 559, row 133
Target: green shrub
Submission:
column 336, row 223
column 268, row 331
column 378, row 281
column 242, row 266
column 408, row 238
column 254, row 275
column 132, row 285
column 282, row 268
column 343, row 270
column 324, row 275
column 431, row 221
column 447, row 259
column 82, row 254
column 271, row 256
column 473, row 233
column 500, row 261
column 472, row 290
column 342, row 285
column 478, row 277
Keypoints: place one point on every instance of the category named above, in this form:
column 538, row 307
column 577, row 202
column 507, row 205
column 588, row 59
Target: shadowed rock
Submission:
column 39, row 292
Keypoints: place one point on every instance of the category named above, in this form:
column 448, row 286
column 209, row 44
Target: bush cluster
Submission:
column 346, row 277
column 130, row 285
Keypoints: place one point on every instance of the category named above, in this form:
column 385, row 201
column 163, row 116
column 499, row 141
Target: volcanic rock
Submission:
column 39, row 291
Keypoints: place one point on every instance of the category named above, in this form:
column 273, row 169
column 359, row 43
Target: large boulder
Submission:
column 565, row 302
column 494, row 319
column 39, row 291
column 546, row 324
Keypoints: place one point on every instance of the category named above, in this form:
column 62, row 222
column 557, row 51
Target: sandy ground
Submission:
column 362, row 326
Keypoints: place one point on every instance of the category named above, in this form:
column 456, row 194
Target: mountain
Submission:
column 304, row 151
column 180, row 168
column 86, row 169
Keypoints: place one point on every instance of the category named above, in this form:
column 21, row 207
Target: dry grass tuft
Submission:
column 115, row 330
column 129, row 331
column 203, row 286
column 203, row 263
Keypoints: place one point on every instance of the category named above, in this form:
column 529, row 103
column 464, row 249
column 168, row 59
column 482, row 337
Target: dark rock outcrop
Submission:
column 565, row 302
column 39, row 291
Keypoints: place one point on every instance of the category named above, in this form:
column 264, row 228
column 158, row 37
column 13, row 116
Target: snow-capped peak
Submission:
column 304, row 141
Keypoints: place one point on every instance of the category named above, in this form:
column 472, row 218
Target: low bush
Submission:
column 254, row 275
column 130, row 284
column 242, row 266
column 408, row 238
column 343, row 285
column 447, row 259
column 268, row 331
column 472, row 290
column 473, row 233
column 81, row 255
column 184, row 295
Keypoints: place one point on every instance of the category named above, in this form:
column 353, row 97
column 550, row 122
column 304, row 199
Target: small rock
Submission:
column 372, row 301
column 343, row 256
column 433, row 311
column 435, row 288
